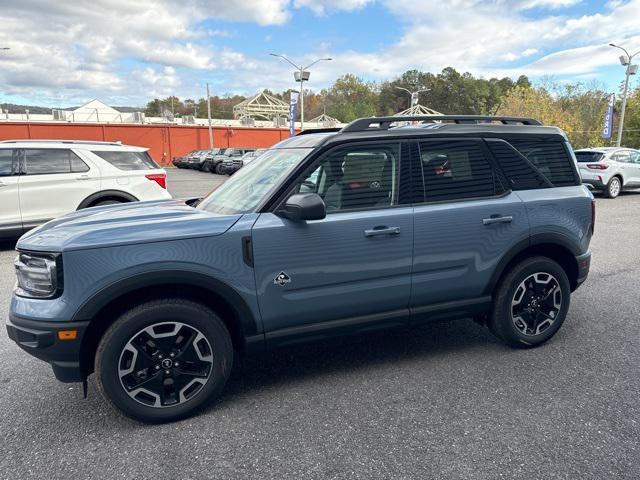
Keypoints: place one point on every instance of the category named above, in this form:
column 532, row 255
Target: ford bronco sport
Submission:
column 332, row 232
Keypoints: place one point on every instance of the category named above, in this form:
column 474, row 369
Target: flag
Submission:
column 608, row 118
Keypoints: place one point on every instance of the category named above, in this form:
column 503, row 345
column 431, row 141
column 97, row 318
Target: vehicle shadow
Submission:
column 6, row 245
column 346, row 355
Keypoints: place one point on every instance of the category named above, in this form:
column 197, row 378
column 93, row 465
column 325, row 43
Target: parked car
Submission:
column 213, row 165
column 195, row 158
column 327, row 234
column 44, row 179
column 180, row 162
column 609, row 169
column 200, row 161
column 233, row 164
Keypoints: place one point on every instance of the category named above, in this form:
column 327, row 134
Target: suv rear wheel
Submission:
column 613, row 188
column 164, row 360
column 530, row 303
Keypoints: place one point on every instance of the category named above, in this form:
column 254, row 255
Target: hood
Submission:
column 137, row 222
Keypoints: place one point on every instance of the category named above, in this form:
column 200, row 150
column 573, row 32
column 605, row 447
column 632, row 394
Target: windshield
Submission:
column 589, row 156
column 245, row 189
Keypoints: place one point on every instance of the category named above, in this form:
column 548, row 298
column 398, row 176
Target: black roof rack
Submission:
column 384, row 123
column 319, row 130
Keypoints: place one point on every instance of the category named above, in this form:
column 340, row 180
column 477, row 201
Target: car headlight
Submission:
column 39, row 275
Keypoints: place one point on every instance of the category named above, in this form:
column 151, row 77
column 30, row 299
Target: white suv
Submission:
column 44, row 179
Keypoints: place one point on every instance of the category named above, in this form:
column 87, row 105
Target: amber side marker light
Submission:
column 67, row 334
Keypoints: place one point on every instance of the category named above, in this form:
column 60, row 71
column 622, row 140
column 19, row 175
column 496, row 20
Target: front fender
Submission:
column 170, row 275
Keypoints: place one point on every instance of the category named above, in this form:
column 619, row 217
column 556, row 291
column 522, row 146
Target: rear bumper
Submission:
column 40, row 339
column 584, row 264
column 594, row 183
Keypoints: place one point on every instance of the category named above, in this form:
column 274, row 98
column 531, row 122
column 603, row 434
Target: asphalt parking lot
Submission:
column 443, row 401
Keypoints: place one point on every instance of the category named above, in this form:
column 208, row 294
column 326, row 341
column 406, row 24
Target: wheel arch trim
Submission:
column 98, row 301
column 106, row 194
column 556, row 239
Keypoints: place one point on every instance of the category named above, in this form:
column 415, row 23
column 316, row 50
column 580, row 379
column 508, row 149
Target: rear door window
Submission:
column 123, row 160
column 622, row 156
column 45, row 161
column 457, row 169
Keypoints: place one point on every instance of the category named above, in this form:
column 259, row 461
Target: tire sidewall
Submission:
column 502, row 322
column 144, row 316
column 611, row 182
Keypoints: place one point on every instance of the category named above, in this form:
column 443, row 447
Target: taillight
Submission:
column 597, row 166
column 159, row 178
column 593, row 216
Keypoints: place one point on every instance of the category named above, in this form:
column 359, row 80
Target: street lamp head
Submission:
column 612, row 45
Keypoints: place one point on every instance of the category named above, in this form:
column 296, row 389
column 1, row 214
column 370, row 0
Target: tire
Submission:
column 219, row 168
column 151, row 371
column 613, row 188
column 102, row 203
column 540, row 312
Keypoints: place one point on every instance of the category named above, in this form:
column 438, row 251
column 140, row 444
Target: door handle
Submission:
column 375, row 231
column 2, row 184
column 83, row 177
column 497, row 219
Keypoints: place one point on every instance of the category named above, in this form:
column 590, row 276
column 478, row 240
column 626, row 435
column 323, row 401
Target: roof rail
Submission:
column 385, row 122
column 318, row 130
column 80, row 142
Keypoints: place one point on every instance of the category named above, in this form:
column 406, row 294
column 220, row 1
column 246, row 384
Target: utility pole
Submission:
column 631, row 69
column 209, row 118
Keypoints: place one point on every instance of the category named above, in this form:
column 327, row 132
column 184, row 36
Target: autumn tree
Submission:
column 576, row 110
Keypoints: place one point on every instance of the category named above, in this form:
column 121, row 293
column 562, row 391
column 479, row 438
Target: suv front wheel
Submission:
column 163, row 360
column 530, row 303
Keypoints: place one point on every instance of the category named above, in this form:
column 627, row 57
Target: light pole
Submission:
column 625, row 60
column 301, row 75
column 414, row 94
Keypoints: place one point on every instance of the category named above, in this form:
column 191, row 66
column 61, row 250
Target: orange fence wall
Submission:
column 163, row 141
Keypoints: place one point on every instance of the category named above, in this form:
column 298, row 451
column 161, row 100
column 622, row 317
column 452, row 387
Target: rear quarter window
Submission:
column 123, row 160
column 550, row 158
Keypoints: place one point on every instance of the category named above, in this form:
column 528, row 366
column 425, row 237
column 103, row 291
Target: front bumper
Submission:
column 584, row 264
column 41, row 340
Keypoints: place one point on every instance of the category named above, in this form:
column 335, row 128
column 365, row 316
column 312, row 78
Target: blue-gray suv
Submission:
column 331, row 232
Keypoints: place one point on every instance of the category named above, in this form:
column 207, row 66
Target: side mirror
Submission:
column 304, row 206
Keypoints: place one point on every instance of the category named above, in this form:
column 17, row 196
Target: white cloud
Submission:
column 62, row 50
column 322, row 7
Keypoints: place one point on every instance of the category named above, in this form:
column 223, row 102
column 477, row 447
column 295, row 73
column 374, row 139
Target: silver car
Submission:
column 609, row 169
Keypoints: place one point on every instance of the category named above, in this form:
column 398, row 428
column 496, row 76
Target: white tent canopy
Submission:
column 95, row 111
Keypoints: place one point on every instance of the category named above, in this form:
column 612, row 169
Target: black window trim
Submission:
column 276, row 201
column 492, row 163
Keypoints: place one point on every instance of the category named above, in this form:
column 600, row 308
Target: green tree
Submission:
column 350, row 98
column 631, row 133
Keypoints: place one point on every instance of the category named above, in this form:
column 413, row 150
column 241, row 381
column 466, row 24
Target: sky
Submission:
column 123, row 52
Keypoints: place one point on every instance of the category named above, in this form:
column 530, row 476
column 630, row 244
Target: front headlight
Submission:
column 39, row 275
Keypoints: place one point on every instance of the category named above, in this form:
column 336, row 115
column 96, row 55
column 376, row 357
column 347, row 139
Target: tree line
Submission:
column 576, row 108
